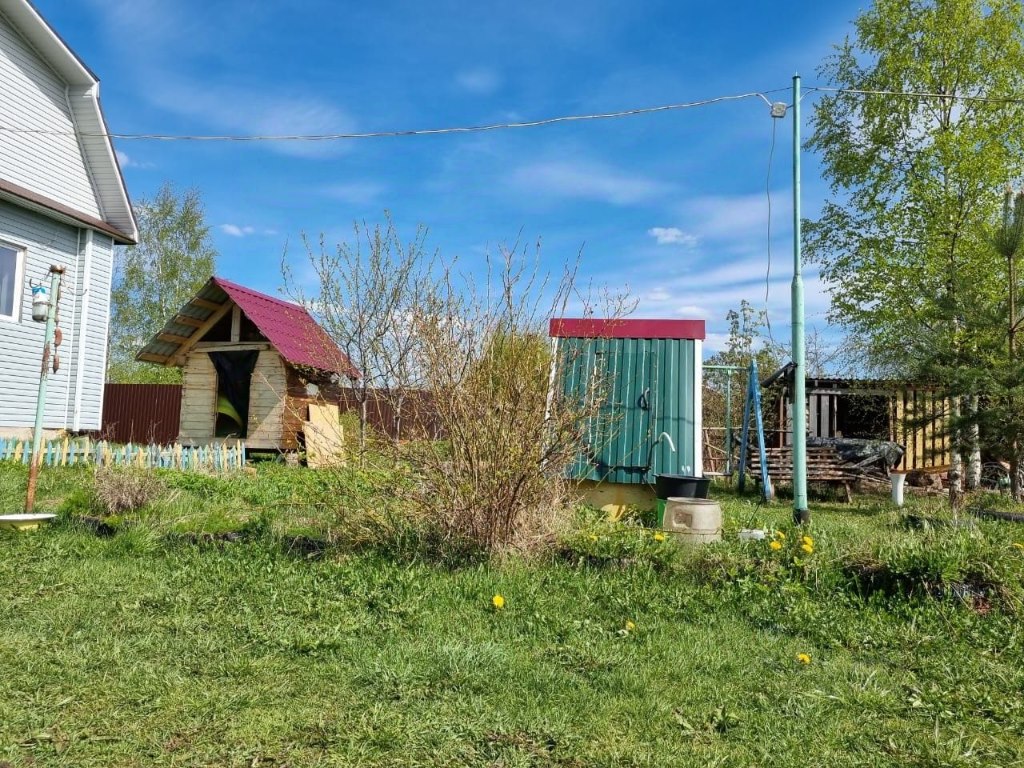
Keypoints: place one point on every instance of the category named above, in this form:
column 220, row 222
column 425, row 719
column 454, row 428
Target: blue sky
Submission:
column 671, row 204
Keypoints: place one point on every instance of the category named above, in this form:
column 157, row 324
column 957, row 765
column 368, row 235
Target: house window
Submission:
column 10, row 282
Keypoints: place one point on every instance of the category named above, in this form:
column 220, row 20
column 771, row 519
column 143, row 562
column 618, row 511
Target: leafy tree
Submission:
column 903, row 246
column 993, row 330
column 746, row 342
column 152, row 280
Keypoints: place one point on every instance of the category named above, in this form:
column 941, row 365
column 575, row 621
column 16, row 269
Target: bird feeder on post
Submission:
column 44, row 309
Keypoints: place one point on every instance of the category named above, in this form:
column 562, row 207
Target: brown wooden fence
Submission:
column 418, row 420
column 150, row 413
column 141, row 413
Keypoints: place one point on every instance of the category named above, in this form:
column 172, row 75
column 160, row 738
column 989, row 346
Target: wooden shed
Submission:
column 252, row 365
column 912, row 415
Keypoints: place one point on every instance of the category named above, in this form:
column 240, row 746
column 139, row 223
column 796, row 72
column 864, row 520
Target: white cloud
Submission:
column 587, row 180
column 355, row 192
column 708, row 293
column 481, row 81
column 657, row 295
column 672, row 236
column 256, row 112
column 732, row 216
column 692, row 310
column 236, row 231
column 125, row 161
column 715, row 342
column 160, row 45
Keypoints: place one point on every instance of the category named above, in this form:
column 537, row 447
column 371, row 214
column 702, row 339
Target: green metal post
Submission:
column 801, row 514
column 37, row 434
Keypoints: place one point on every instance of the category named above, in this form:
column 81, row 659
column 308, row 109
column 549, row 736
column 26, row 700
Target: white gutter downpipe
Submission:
column 83, row 329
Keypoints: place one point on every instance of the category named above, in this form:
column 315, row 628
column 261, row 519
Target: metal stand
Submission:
column 752, row 402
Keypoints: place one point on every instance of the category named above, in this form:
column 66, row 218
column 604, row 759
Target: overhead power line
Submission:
column 411, row 132
column 508, row 125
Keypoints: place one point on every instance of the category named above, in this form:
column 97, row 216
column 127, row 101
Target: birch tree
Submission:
column 153, row 279
column 924, row 128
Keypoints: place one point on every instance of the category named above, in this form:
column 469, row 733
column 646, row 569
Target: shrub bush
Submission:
column 120, row 490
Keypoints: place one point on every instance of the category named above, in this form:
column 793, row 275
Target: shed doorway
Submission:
column 234, row 380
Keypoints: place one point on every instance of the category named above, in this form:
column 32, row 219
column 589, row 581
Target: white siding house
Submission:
column 62, row 201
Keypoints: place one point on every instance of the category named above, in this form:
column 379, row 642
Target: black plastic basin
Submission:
column 683, row 486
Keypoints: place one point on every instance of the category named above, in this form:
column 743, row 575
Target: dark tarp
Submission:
column 864, row 454
column 234, row 377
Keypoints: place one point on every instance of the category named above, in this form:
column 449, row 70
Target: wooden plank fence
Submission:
column 101, row 453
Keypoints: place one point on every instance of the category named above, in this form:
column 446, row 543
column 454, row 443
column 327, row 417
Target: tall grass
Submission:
column 145, row 648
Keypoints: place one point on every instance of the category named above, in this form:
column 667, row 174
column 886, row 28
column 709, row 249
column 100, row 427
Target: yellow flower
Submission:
column 776, row 545
column 659, row 536
column 593, row 537
column 803, row 658
column 808, row 541
column 630, row 626
column 498, row 602
column 780, row 535
column 1018, row 545
column 807, row 548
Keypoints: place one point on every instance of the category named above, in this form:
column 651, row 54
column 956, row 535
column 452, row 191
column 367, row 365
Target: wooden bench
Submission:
column 824, row 465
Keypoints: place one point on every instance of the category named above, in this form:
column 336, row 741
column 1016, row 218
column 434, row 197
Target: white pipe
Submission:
column 668, row 437
column 72, row 326
column 897, row 479
column 83, row 331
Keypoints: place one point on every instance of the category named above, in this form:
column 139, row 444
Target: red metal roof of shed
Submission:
column 290, row 328
column 635, row 328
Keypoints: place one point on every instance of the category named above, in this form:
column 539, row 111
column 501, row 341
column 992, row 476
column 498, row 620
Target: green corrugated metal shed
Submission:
column 650, row 381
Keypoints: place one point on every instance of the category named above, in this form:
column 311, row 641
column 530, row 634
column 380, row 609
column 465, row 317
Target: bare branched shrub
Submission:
column 498, row 480
column 467, row 373
column 120, row 490
column 365, row 295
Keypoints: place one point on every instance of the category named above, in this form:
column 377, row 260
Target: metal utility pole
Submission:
column 56, row 272
column 801, row 515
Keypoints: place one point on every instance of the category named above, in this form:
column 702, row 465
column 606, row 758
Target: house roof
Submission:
column 288, row 327
column 93, row 136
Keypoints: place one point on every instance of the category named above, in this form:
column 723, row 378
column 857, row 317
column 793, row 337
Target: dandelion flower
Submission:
column 808, row 541
column 592, row 537
column 807, row 548
column 780, row 535
column 630, row 626
column 776, row 545
column 498, row 602
column 803, row 658
column 659, row 536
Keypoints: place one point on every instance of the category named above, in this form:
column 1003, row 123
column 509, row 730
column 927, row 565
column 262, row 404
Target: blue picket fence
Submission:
column 217, row 457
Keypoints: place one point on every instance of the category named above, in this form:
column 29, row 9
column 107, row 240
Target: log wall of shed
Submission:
column 267, row 404
column 198, row 399
column 279, row 398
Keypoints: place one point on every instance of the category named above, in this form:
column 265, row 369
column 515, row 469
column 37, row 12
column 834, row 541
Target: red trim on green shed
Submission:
column 586, row 328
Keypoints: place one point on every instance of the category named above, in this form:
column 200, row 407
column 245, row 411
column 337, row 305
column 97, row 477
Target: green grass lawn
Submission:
column 143, row 649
